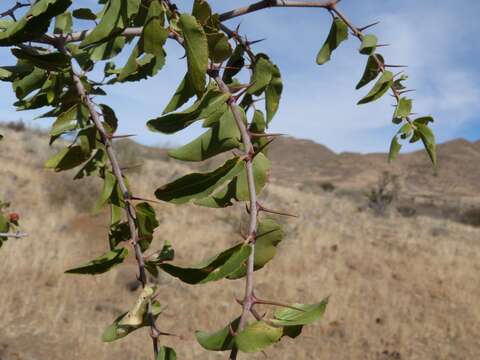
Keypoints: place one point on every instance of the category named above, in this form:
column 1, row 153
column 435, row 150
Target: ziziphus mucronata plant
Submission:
column 54, row 69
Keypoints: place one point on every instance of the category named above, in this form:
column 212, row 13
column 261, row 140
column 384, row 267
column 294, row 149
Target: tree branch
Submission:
column 358, row 33
column 264, row 4
column 249, row 299
column 129, row 209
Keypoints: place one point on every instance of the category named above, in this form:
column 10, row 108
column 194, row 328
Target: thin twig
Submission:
column 248, row 299
column 129, row 209
column 264, row 4
column 13, row 235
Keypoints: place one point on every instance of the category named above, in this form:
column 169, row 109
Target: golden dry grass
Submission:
column 400, row 288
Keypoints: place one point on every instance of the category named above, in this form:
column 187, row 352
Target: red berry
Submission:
column 13, row 217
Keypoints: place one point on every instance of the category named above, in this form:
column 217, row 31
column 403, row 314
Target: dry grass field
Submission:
column 403, row 284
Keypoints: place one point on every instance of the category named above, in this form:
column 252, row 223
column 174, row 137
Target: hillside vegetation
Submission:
column 396, row 247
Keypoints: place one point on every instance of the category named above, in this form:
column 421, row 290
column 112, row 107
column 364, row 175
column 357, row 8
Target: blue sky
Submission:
column 437, row 39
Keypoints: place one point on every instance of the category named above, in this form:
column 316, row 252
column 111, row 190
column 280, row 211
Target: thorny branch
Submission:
column 249, row 299
column 129, row 209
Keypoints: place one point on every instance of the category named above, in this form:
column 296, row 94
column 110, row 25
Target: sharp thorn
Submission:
column 368, row 26
column 264, row 209
column 395, row 66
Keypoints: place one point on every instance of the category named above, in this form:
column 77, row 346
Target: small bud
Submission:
column 13, row 218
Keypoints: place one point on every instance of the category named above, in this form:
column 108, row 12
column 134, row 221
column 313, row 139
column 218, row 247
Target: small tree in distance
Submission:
column 53, row 69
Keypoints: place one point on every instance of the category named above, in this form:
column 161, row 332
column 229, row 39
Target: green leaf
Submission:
column 371, row 70
column 213, row 101
column 147, row 223
column 262, row 74
column 154, row 34
column 184, row 92
column 428, row 140
column 220, row 340
column 52, row 61
column 403, row 110
column 379, row 89
column 34, row 22
column 69, row 120
column 67, row 159
column 63, row 24
column 107, row 50
column 218, row 47
column 273, row 93
column 202, row 11
column 257, row 336
column 29, row 83
column 338, row 34
column 269, row 235
column 305, row 315
column 213, row 269
column 199, row 185
column 237, row 189
column 223, row 136
column 109, row 183
column 196, row 46
column 84, row 14
column 234, row 64
column 166, row 353
column 101, row 264
column 116, row 331
column 395, row 148
column 369, row 44
column 116, row 17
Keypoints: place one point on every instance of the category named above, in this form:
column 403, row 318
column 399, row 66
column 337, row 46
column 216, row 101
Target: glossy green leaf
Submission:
column 109, row 49
column 109, row 183
column 395, row 148
column 34, row 22
column 273, row 93
column 116, row 16
column 369, row 44
column 263, row 71
column 428, row 140
column 237, row 189
column 269, row 235
column 53, row 61
column 234, row 64
column 257, row 337
column 305, row 315
column 69, row 120
column 202, row 11
column 211, row 102
column 67, row 159
column 371, row 70
column 199, row 185
column 220, row 340
column 196, row 46
column 147, row 223
column 63, row 23
column 154, row 34
column 184, row 92
column 338, row 33
column 403, row 110
column 116, row 331
column 379, row 89
column 213, row 269
column 223, row 136
column 102, row 264
column 25, row 85
column 218, row 46
column 261, row 172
